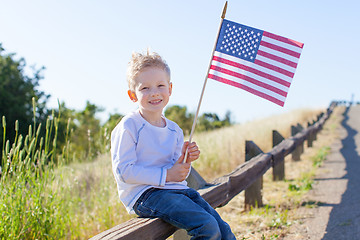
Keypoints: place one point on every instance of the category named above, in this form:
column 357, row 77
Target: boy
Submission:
column 147, row 152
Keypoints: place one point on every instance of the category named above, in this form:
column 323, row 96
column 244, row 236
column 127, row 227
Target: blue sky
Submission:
column 85, row 46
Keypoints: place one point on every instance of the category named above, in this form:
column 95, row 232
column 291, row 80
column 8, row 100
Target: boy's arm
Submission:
column 124, row 158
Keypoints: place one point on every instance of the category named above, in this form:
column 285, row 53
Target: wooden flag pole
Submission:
column 206, row 78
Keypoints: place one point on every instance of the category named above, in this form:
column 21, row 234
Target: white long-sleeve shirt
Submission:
column 141, row 154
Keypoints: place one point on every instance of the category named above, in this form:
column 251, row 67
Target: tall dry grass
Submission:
column 223, row 150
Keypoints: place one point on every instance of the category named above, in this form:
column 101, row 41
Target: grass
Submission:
column 90, row 192
column 79, row 200
column 28, row 208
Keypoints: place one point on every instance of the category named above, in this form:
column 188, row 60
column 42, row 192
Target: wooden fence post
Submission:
column 279, row 168
column 253, row 197
column 297, row 152
column 310, row 138
column 300, row 128
column 315, row 132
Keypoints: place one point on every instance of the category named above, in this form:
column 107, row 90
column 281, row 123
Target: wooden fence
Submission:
column 247, row 176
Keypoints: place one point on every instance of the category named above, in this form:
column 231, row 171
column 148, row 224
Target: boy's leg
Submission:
column 176, row 208
column 225, row 229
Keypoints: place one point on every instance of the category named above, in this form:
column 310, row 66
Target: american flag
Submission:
column 256, row 61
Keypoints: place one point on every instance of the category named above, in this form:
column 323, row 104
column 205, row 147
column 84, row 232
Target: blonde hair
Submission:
column 141, row 61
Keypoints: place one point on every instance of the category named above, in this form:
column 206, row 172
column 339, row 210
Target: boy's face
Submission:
column 152, row 90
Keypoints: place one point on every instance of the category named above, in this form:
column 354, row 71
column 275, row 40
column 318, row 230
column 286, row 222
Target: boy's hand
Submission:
column 179, row 171
column 193, row 151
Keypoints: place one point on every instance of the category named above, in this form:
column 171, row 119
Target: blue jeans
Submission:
column 184, row 209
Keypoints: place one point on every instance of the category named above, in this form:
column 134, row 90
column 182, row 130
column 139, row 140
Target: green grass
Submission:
column 320, row 156
column 303, row 184
column 29, row 209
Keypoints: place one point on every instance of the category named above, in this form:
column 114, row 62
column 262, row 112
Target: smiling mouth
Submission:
column 155, row 101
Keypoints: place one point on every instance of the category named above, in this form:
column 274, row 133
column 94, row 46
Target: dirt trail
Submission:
column 336, row 192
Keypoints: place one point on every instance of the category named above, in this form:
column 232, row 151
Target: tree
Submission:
column 86, row 135
column 179, row 115
column 16, row 92
column 113, row 120
column 211, row 121
column 205, row 122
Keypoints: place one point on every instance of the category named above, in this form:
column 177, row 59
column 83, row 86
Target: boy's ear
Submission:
column 170, row 88
column 132, row 96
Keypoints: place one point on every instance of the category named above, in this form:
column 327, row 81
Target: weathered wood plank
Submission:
column 217, row 194
column 138, row 228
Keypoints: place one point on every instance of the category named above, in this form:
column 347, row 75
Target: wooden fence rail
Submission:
column 219, row 192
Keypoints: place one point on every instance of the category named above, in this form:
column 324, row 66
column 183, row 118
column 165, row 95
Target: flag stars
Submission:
column 240, row 41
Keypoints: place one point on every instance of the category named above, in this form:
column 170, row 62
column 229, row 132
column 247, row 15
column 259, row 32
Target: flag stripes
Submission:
column 256, row 61
column 270, row 56
column 249, row 88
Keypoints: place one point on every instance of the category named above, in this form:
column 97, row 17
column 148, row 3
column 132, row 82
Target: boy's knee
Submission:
column 209, row 229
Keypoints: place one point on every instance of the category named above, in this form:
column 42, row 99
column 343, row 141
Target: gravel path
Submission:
column 336, row 192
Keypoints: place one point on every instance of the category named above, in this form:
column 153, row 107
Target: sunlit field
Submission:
column 79, row 200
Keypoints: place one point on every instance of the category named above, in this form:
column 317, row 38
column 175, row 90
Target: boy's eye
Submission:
column 161, row 85
column 143, row 88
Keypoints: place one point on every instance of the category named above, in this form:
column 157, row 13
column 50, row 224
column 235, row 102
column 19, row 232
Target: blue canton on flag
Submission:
column 239, row 40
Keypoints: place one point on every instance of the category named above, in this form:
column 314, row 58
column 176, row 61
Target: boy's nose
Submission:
column 154, row 92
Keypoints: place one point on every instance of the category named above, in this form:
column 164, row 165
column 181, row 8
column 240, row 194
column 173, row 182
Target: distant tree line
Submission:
column 81, row 131
column 205, row 122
